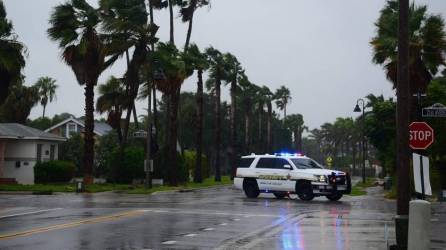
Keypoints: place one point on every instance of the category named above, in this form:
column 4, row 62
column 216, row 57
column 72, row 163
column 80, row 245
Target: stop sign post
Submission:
column 421, row 135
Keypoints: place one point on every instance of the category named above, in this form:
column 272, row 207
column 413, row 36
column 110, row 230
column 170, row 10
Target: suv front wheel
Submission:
column 251, row 189
column 305, row 191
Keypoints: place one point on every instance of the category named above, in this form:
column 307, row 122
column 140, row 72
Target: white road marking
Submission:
column 204, row 212
column 223, row 224
column 160, row 211
column 169, row 242
column 209, row 229
column 190, row 235
column 27, row 213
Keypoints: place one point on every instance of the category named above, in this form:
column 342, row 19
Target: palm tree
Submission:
column 216, row 75
column 234, row 70
column 12, row 54
column 195, row 60
column 248, row 91
column 128, row 27
column 268, row 99
column 174, row 72
column 47, row 91
column 427, row 44
column 18, row 104
column 187, row 15
column 74, row 26
column 295, row 123
column 112, row 100
column 283, row 98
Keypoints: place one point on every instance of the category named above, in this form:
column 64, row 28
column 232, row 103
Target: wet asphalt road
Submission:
column 220, row 218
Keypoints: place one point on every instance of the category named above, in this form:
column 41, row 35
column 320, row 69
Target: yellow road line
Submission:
column 72, row 224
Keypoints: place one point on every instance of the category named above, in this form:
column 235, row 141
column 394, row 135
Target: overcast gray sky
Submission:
column 319, row 49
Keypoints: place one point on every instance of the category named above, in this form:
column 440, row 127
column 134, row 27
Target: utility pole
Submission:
column 402, row 132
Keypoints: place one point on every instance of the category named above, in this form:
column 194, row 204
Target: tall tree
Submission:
column 128, row 28
column 234, row 70
column 295, row 123
column 197, row 61
column 283, row 98
column 216, row 75
column 174, row 72
column 269, row 98
column 187, row 15
column 248, row 91
column 18, row 104
column 427, row 43
column 112, row 100
column 12, row 55
column 47, row 91
column 74, row 26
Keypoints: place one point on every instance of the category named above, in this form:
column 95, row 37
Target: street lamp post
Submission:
column 358, row 109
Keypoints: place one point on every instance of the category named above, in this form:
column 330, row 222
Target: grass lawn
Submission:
column 124, row 188
column 359, row 188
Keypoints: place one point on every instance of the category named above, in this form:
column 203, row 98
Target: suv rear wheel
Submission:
column 251, row 189
column 305, row 191
column 334, row 196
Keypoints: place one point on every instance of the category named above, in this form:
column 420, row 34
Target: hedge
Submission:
column 54, row 171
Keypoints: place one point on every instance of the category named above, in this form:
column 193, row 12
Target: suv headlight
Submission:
column 321, row 178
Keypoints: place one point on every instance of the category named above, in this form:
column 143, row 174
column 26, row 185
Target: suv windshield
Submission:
column 304, row 163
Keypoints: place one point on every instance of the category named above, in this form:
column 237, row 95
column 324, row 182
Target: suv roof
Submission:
column 281, row 155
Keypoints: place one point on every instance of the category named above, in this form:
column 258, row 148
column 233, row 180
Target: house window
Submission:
column 17, row 164
column 71, row 128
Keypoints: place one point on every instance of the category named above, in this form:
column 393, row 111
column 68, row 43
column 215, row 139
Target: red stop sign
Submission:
column 421, row 135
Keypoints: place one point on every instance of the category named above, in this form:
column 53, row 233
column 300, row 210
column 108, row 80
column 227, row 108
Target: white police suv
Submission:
column 282, row 174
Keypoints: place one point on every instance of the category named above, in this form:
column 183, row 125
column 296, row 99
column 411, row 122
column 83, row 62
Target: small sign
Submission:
column 436, row 110
column 418, row 162
column 140, row 134
column 148, row 168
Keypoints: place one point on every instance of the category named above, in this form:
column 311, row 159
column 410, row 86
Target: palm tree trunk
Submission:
column 89, row 136
column 199, row 128
column 189, row 32
column 172, row 37
column 259, row 134
column 44, row 107
column 233, row 144
column 135, row 116
column 217, row 130
column 284, row 112
column 247, row 139
column 173, row 154
column 269, row 138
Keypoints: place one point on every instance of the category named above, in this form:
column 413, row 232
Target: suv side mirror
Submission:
column 287, row 167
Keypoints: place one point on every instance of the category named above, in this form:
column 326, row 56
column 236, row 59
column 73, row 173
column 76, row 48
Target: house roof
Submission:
column 20, row 131
column 100, row 128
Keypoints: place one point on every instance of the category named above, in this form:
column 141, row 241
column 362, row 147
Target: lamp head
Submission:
column 357, row 108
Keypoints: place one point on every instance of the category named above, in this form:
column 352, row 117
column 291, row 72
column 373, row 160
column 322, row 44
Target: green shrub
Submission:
column 161, row 161
column 130, row 166
column 54, row 171
column 72, row 150
column 190, row 158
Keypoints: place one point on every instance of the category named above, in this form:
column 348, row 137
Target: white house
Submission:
column 20, row 148
column 77, row 126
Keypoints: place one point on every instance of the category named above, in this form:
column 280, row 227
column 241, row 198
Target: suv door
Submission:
column 282, row 176
column 264, row 172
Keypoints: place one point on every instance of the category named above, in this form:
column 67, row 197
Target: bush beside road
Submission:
column 124, row 188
